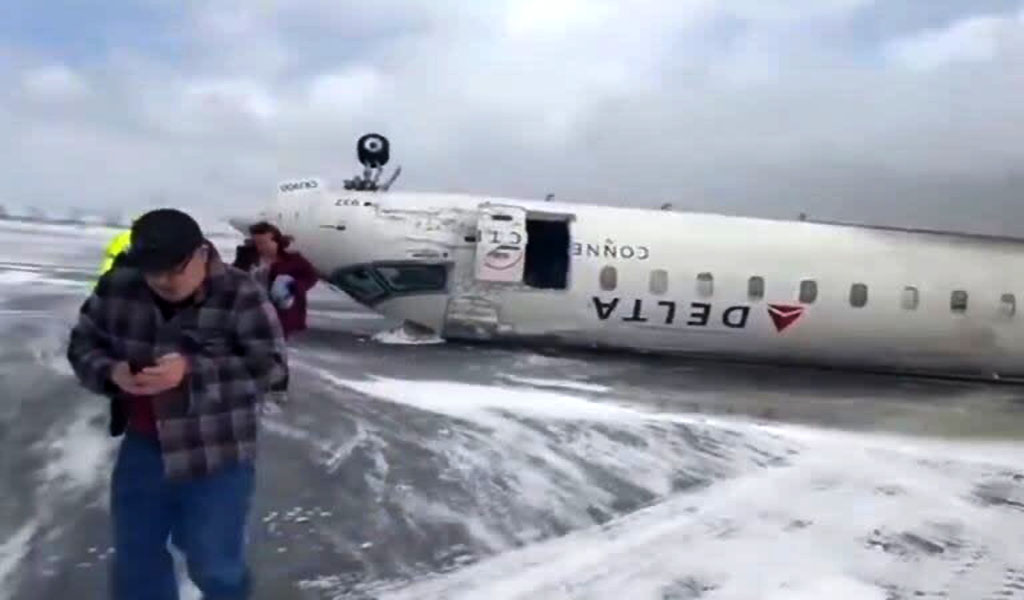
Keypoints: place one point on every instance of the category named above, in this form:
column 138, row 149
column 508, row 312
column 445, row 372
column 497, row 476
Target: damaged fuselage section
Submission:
column 449, row 270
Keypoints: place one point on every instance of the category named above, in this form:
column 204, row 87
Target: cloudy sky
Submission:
column 903, row 111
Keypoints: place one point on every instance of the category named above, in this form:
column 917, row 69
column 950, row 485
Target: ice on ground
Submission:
column 842, row 520
column 399, row 336
column 478, row 401
column 12, row 551
column 432, row 477
column 859, row 515
column 78, row 452
column 18, row 277
column 578, row 386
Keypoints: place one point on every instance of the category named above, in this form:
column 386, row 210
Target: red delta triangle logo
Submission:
column 784, row 315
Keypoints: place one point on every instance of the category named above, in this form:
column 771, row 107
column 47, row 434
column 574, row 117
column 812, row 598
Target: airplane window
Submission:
column 1009, row 303
column 958, row 301
column 755, row 288
column 659, row 281
column 609, row 278
column 808, row 291
column 414, row 278
column 858, row 295
column 360, row 284
column 705, row 285
column 909, row 299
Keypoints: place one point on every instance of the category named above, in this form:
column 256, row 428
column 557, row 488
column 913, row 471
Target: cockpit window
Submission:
column 370, row 284
column 414, row 278
column 360, row 284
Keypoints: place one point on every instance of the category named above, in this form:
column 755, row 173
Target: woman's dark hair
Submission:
column 263, row 228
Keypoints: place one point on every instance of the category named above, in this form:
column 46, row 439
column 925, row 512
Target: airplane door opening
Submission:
column 547, row 254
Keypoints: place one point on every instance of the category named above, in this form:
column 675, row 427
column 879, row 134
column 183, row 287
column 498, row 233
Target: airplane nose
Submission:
column 240, row 224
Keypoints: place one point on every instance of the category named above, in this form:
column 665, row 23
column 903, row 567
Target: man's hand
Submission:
column 123, row 378
column 167, row 374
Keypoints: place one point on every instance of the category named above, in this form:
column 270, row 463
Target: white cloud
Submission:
column 349, row 92
column 558, row 18
column 730, row 105
column 235, row 38
column 974, row 39
column 788, row 10
column 53, row 82
column 228, row 96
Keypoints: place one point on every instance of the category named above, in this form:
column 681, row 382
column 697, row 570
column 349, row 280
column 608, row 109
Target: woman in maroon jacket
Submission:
column 287, row 276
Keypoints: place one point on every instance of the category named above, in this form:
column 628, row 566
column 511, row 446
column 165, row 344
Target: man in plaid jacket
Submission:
column 186, row 348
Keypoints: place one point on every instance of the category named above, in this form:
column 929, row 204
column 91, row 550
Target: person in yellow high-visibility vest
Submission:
column 116, row 246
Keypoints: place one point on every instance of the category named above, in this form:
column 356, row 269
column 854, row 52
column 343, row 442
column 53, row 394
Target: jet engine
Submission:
column 373, row 151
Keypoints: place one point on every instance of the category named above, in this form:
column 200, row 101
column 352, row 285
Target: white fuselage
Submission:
column 703, row 284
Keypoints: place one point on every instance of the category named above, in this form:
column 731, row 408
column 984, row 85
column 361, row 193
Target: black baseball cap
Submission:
column 162, row 239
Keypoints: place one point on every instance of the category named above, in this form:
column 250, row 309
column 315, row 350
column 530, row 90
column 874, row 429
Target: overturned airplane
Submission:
column 468, row 266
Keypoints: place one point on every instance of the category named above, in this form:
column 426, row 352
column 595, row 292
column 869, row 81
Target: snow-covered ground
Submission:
column 412, row 470
column 849, row 517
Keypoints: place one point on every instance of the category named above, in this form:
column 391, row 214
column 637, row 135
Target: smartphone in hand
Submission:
column 135, row 365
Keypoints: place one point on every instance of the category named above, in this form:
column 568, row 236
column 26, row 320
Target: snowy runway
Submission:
column 839, row 521
column 454, row 471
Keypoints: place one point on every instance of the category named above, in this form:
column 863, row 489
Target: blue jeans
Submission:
column 206, row 518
